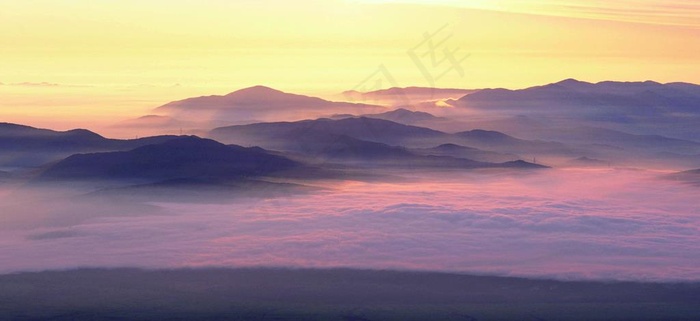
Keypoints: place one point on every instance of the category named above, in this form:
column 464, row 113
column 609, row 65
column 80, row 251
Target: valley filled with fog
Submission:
column 590, row 224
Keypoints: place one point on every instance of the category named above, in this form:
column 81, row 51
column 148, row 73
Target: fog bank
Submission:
column 565, row 224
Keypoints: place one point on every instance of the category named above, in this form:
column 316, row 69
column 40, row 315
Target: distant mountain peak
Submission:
column 483, row 132
column 84, row 133
column 404, row 111
column 403, row 115
column 194, row 144
column 147, row 117
column 190, row 140
column 259, row 89
column 450, row 146
column 584, row 160
column 572, row 82
column 408, row 111
column 265, row 98
column 523, row 164
column 631, row 84
column 569, row 82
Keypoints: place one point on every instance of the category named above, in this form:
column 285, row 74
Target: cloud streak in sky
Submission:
column 673, row 12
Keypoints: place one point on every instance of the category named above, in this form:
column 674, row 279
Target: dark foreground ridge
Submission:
column 333, row 294
column 183, row 157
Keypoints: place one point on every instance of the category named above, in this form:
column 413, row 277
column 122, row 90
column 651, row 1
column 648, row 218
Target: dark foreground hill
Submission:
column 188, row 157
column 335, row 294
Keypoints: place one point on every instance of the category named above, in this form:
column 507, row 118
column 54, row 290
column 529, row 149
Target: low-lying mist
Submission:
column 563, row 223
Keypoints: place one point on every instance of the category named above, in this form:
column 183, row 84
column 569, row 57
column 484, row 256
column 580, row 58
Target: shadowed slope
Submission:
column 25, row 146
column 184, row 157
column 454, row 150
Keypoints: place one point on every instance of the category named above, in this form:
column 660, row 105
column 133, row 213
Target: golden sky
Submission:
column 70, row 62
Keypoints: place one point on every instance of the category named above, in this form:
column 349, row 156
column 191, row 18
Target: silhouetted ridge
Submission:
column 256, row 91
column 572, row 82
column 363, row 128
column 19, row 137
column 25, row 146
column 404, row 115
column 486, row 135
column 183, row 157
column 409, row 91
column 257, row 97
column 6, row 128
column 632, row 98
column 16, row 130
column 522, row 164
column 459, row 151
column 257, row 94
column 450, row 146
column 335, row 147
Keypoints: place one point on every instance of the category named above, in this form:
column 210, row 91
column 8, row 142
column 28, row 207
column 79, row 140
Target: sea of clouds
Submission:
column 568, row 224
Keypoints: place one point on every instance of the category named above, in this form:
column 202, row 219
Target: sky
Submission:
column 74, row 63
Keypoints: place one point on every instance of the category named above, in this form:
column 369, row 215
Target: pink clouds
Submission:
column 591, row 224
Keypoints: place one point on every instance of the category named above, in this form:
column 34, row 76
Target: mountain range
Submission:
column 318, row 134
column 634, row 97
column 280, row 134
column 258, row 103
column 415, row 118
column 560, row 123
column 646, row 108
